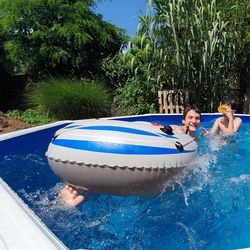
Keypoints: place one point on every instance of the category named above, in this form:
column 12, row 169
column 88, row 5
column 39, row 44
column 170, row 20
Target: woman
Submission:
column 228, row 123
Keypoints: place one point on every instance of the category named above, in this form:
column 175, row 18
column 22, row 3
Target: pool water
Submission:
column 206, row 207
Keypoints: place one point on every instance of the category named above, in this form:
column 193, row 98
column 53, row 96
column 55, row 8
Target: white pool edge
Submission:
column 20, row 228
column 31, row 130
column 50, row 125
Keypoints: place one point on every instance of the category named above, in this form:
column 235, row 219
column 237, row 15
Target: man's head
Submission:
column 191, row 117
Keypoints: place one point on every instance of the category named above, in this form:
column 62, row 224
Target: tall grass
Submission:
column 67, row 99
column 186, row 44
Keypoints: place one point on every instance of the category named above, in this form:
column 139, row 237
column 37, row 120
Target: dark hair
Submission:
column 230, row 103
column 188, row 108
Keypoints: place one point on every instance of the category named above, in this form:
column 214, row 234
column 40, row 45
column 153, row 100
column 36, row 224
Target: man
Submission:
column 191, row 120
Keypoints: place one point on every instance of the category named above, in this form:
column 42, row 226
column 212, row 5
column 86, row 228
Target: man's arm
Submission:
column 215, row 127
column 177, row 127
column 237, row 123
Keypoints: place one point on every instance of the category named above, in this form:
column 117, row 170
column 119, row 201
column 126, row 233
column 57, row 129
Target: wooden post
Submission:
column 165, row 103
column 176, row 100
column 171, row 108
column 172, row 101
column 160, row 101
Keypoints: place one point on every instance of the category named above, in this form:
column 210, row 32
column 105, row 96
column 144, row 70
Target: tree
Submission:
column 237, row 13
column 186, row 44
column 57, row 37
column 3, row 72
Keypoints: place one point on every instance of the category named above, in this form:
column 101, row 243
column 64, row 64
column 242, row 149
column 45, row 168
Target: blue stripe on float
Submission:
column 125, row 130
column 72, row 126
column 116, row 148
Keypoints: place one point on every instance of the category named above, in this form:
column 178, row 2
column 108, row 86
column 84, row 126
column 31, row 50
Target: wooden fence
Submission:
column 172, row 101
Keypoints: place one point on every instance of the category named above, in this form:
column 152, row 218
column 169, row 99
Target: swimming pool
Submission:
column 206, row 207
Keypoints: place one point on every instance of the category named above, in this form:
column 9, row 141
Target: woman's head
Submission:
column 230, row 103
column 191, row 116
column 228, row 107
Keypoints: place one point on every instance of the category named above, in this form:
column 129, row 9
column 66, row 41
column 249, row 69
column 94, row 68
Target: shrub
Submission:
column 135, row 98
column 67, row 99
column 33, row 117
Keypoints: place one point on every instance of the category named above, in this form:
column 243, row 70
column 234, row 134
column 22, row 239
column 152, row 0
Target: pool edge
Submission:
column 20, row 227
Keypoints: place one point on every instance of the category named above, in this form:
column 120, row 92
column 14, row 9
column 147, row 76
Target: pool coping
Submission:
column 50, row 125
column 13, row 134
column 20, row 227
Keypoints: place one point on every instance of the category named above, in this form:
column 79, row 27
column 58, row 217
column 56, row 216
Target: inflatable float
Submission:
column 118, row 157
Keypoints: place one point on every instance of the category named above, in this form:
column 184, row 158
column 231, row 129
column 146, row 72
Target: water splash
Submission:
column 190, row 235
column 196, row 176
column 241, row 178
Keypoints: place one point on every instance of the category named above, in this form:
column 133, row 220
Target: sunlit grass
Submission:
column 67, row 99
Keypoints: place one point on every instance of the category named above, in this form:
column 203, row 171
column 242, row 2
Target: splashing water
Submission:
column 206, row 206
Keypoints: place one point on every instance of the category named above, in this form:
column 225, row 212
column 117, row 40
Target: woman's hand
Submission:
column 229, row 114
column 204, row 132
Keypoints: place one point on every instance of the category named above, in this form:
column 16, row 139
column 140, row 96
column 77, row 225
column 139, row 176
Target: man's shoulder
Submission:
column 176, row 127
column 218, row 119
column 238, row 119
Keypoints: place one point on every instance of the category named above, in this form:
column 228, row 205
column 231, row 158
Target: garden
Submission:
column 63, row 61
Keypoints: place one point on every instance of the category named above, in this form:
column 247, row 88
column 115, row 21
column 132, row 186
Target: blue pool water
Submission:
column 206, row 207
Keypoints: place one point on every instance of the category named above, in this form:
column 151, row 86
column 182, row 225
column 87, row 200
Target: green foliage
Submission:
column 133, row 98
column 116, row 71
column 67, row 99
column 62, row 37
column 30, row 116
column 3, row 63
column 187, row 44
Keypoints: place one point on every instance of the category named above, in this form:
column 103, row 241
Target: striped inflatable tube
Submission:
column 117, row 157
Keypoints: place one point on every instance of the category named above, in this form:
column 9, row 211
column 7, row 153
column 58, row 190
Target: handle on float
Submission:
column 178, row 145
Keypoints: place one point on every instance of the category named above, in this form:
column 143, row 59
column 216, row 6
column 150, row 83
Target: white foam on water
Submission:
column 190, row 235
column 98, row 221
column 213, row 144
column 241, row 178
column 48, row 202
column 196, row 176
